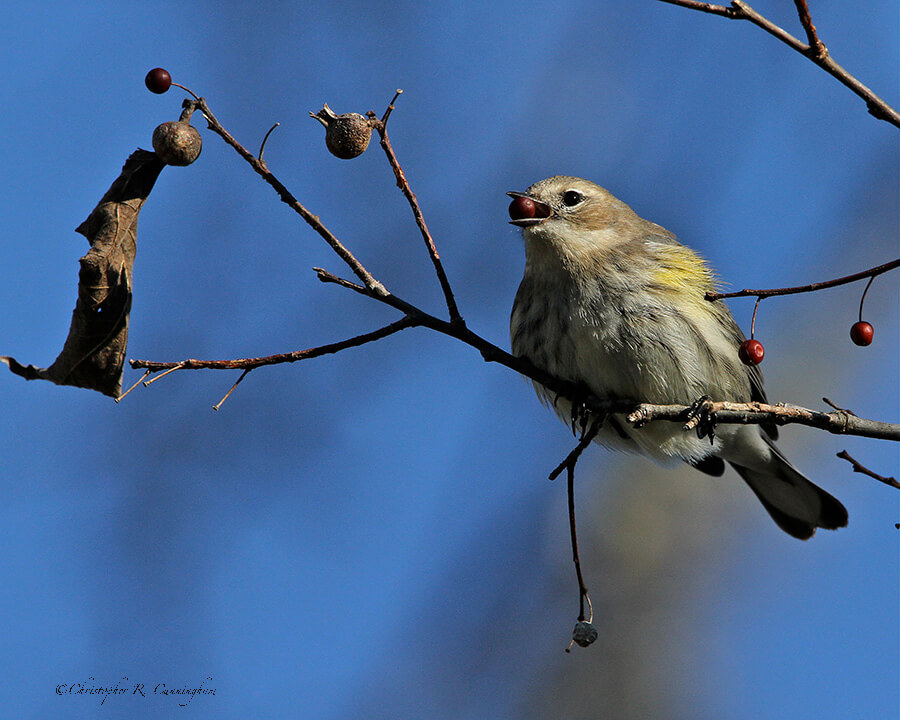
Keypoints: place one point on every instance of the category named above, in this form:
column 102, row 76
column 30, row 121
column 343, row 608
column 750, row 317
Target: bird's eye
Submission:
column 571, row 198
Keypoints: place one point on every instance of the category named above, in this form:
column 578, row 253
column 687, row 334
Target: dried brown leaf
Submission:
column 94, row 351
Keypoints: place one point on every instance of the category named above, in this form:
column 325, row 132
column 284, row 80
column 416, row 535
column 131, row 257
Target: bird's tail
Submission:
column 796, row 504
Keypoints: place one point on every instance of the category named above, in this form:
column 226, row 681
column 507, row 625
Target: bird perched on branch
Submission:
column 615, row 304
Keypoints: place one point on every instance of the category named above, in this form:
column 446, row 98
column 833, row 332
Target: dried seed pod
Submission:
column 177, row 143
column 584, row 633
column 346, row 136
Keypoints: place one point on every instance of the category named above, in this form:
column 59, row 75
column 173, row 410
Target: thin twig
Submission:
column 403, row 184
column 253, row 363
column 745, row 12
column 753, row 319
column 143, row 377
column 862, row 299
column 812, row 287
column 570, row 487
column 837, row 407
column 569, row 465
column 572, row 458
column 812, row 36
column 236, row 382
column 170, row 368
column 858, row 467
column 573, row 534
column 390, row 107
column 329, row 277
column 817, row 52
column 187, row 90
column 706, row 7
column 262, row 147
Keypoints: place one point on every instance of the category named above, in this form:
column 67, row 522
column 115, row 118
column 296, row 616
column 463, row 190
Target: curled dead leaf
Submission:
column 94, row 352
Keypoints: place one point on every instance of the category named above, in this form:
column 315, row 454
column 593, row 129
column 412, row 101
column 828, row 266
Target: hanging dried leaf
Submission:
column 94, row 351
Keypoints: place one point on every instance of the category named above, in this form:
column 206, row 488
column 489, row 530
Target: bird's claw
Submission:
column 701, row 418
column 580, row 414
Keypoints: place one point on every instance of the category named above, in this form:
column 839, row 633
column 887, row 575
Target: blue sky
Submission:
column 372, row 534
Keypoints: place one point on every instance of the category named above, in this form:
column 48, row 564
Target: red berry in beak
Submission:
column 522, row 208
column 862, row 333
column 751, row 352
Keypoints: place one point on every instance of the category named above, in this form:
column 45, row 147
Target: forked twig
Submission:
column 812, row 37
column 815, row 51
column 286, row 197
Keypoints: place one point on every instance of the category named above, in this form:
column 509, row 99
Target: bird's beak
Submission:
column 525, row 215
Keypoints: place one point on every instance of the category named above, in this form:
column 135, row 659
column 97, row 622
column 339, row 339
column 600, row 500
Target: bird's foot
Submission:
column 701, row 418
column 580, row 415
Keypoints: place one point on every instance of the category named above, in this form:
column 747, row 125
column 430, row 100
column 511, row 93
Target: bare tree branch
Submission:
column 815, row 51
column 840, row 421
column 812, row 287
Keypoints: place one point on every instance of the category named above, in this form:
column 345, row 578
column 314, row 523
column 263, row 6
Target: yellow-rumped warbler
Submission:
column 615, row 304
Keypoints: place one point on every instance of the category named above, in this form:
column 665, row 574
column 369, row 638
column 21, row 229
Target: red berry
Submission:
column 751, row 352
column 522, row 208
column 862, row 333
column 158, row 80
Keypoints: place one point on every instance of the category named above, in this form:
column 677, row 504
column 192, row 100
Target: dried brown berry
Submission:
column 158, row 80
column 346, row 136
column 177, row 143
